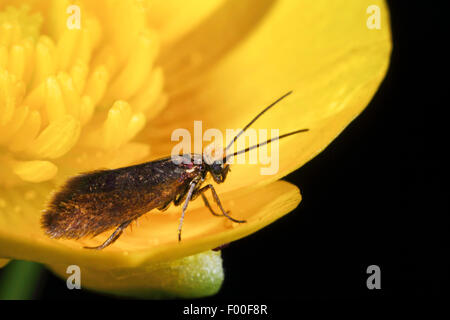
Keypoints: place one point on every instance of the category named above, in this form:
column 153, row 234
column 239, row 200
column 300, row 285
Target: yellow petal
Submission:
column 172, row 22
column 3, row 262
column 189, row 277
column 330, row 59
column 22, row 238
column 232, row 21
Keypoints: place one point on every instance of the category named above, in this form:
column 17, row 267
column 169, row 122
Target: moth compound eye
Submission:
column 217, row 167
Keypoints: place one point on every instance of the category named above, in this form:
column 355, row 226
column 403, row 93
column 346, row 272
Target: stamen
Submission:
column 91, row 89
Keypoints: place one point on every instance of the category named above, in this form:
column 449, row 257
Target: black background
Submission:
column 372, row 197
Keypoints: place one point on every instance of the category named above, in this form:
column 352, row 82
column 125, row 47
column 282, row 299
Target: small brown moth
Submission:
column 95, row 202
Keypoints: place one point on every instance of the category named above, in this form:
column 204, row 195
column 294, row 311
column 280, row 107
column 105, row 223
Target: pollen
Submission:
column 75, row 93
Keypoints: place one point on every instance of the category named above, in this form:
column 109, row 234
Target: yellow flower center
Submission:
column 73, row 98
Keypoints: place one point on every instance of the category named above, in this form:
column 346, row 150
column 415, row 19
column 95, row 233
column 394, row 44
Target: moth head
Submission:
column 218, row 170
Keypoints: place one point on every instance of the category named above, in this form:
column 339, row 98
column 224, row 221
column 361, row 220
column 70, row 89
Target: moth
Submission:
column 95, row 202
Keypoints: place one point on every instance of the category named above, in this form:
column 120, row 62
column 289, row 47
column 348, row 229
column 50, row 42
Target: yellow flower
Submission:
column 110, row 93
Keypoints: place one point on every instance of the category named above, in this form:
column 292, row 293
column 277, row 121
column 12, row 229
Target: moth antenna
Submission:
column 264, row 143
column 256, row 118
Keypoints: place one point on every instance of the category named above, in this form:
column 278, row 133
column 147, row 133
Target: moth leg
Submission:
column 217, row 200
column 201, row 192
column 165, row 206
column 181, row 197
column 205, row 200
column 188, row 198
column 112, row 238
